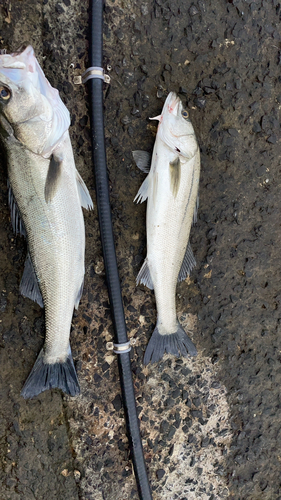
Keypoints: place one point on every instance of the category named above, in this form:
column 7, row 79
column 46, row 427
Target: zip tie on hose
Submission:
column 122, row 348
column 92, row 72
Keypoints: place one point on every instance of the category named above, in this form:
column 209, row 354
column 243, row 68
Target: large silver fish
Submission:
column 46, row 193
column 171, row 190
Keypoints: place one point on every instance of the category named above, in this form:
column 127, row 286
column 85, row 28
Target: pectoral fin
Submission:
column 175, row 175
column 53, row 178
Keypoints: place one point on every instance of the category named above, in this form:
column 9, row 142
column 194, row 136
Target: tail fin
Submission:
column 177, row 343
column 45, row 376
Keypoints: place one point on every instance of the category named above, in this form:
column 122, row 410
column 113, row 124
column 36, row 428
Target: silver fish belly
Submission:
column 46, row 195
column 171, row 189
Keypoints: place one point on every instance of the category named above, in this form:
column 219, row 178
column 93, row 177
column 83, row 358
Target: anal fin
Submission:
column 188, row 264
column 29, row 285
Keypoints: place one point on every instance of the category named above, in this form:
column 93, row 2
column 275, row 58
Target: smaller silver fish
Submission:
column 171, row 190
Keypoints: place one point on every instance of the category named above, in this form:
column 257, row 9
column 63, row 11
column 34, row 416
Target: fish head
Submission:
column 29, row 104
column 175, row 128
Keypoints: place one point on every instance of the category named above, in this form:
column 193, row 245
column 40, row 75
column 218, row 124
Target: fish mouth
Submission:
column 23, row 46
column 12, row 68
column 172, row 104
column 20, row 66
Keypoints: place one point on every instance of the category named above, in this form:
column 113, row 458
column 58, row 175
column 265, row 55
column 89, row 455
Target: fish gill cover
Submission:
column 22, row 71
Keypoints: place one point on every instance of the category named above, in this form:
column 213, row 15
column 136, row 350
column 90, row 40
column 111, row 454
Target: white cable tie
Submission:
column 92, row 72
column 122, row 348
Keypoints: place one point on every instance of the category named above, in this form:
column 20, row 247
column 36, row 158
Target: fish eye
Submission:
column 184, row 114
column 5, row 93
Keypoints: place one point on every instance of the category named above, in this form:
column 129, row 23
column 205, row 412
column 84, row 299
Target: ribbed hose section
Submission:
column 112, row 277
column 103, row 202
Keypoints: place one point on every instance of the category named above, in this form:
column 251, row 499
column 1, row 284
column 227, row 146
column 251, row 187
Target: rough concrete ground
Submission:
column 211, row 425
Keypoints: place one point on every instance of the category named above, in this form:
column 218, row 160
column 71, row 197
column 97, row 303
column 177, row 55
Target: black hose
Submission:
column 112, row 277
